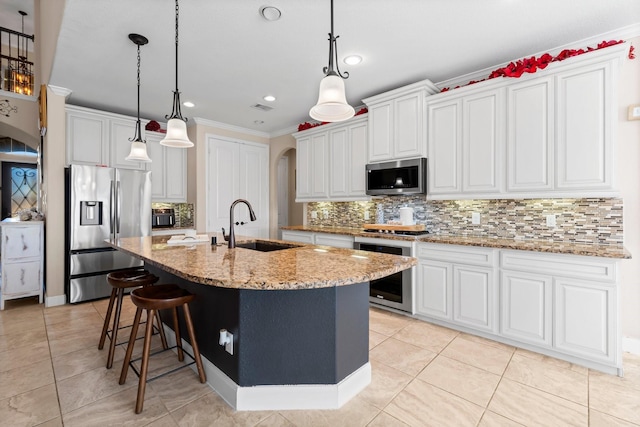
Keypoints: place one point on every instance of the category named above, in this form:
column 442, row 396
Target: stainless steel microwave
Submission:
column 407, row 176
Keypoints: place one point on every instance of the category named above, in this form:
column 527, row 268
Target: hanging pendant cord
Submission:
column 333, row 53
column 138, row 134
column 177, row 13
column 176, row 112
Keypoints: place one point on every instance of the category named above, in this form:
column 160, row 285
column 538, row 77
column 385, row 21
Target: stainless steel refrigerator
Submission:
column 102, row 204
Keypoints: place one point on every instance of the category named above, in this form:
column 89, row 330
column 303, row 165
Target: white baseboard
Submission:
column 631, row 345
column 55, row 300
column 280, row 397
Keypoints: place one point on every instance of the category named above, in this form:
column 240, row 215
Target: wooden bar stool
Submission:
column 119, row 281
column 152, row 299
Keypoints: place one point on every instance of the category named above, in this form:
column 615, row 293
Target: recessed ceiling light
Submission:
column 258, row 122
column 270, row 13
column 353, row 59
column 188, row 104
column 269, row 98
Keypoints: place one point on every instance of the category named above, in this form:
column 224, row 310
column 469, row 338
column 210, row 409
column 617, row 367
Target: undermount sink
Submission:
column 264, row 246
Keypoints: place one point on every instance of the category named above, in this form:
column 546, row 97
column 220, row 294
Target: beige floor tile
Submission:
column 551, row 360
column 117, row 410
column 31, row 408
column 487, row 341
column 355, row 413
column 22, row 339
column 599, row 419
column 386, row 383
column 491, row 419
column 421, row 404
column 426, row 335
column 22, row 356
column 473, row 384
column 210, row 410
column 375, row 339
column 275, row 420
column 26, row 378
column 387, row 323
column 21, row 308
column 86, row 359
column 545, row 375
column 76, row 341
column 532, row 407
column 385, row 420
column 166, row 421
column 483, row 356
column 179, row 388
column 56, row 422
column 631, row 379
column 91, row 386
column 30, row 322
column 613, row 397
column 402, row 356
column 61, row 329
column 67, row 313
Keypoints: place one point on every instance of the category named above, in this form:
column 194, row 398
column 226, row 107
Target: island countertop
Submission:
column 299, row 267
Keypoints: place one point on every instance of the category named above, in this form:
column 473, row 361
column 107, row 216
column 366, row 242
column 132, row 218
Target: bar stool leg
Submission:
column 194, row 343
column 176, row 326
column 114, row 330
column 132, row 342
column 107, row 318
column 142, row 383
column 163, row 337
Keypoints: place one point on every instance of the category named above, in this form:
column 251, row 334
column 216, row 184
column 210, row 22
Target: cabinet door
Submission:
column 22, row 242
column 381, row 132
column 157, row 167
column 175, row 174
column 120, row 131
column 319, row 167
column 584, row 128
column 339, row 163
column 358, row 156
column 304, row 166
column 525, row 313
column 483, row 142
column 223, row 184
column 298, row 236
column 473, row 295
column 87, row 139
column 433, row 290
column 335, row 240
column 584, row 319
column 444, row 143
column 530, row 135
column 21, row 278
column 408, row 139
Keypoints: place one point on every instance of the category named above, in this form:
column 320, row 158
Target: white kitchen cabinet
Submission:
column 526, row 307
column 168, row 170
column 445, row 147
column 397, row 122
column 237, row 170
column 331, row 162
column 530, row 141
column 121, row 131
column 87, row 137
column 298, row 236
column 335, row 240
column 22, row 260
column 433, row 291
column 473, row 297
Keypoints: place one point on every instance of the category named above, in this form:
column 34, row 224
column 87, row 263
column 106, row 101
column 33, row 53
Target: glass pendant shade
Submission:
column 176, row 134
column 138, row 152
column 332, row 103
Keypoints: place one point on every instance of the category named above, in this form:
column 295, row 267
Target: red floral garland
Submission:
column 307, row 125
column 533, row 64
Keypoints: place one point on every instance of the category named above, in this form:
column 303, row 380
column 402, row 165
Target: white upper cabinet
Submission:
column 397, row 122
column 168, row 170
column 331, row 162
column 87, row 137
column 548, row 134
column 120, row 133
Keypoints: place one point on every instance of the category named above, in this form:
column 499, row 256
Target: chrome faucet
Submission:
column 231, row 237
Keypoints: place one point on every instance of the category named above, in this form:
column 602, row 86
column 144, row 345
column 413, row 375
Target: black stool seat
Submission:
column 152, row 299
column 119, row 281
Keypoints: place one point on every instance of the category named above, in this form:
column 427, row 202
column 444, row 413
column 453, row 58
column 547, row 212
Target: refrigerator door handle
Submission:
column 118, row 197
column 112, row 202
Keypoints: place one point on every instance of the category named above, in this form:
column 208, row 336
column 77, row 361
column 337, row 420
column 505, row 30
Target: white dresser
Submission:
column 22, row 259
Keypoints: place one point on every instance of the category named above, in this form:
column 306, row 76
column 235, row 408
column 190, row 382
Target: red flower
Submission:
column 631, row 54
column 544, row 60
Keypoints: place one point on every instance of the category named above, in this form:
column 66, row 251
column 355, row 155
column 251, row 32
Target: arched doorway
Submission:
column 288, row 211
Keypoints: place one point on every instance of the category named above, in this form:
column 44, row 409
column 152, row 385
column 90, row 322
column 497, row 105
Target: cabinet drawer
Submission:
column 573, row 266
column 21, row 278
column 22, row 242
column 298, row 236
column 334, row 240
column 457, row 254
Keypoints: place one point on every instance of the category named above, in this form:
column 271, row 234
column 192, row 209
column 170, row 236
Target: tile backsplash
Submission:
column 185, row 212
column 592, row 220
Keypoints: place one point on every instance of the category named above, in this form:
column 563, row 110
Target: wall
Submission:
column 296, row 210
column 278, row 147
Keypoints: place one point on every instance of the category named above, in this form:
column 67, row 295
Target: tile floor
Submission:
column 52, row 374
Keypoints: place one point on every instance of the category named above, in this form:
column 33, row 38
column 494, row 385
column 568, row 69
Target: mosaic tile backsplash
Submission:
column 593, row 220
column 185, row 212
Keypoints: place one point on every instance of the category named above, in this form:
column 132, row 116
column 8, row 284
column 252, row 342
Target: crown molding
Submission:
column 60, row 91
column 219, row 125
column 286, row 131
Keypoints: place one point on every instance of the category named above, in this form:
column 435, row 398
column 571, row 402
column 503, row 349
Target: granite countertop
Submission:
column 300, row 267
column 604, row 251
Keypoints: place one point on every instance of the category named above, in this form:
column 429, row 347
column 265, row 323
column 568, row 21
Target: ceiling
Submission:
column 230, row 57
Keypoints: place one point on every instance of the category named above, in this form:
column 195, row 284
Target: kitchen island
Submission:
column 299, row 316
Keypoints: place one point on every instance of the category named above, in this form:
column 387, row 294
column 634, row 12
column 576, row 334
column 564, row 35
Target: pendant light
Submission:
column 138, row 145
column 332, row 103
column 177, row 125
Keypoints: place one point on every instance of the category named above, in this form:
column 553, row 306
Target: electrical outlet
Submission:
column 314, row 214
column 366, row 215
column 229, row 345
column 475, row 217
column 551, row 220
column 325, row 213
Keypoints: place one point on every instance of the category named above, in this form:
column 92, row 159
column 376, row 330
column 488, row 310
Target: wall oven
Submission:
column 393, row 291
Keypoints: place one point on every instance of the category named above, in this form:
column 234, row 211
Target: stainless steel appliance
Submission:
column 395, row 290
column 396, row 178
column 102, row 204
column 162, row 218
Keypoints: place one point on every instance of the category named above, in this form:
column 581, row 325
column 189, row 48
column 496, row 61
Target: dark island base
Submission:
column 288, row 337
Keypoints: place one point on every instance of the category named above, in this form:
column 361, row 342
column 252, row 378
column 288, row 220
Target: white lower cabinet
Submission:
column 561, row 305
column 311, row 238
column 298, row 236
